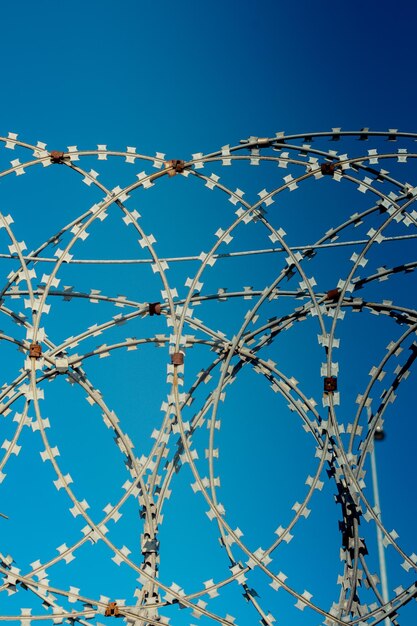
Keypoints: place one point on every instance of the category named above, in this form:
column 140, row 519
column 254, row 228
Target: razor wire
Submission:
column 341, row 449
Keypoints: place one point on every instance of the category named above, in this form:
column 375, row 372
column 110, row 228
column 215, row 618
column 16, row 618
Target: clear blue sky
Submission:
column 181, row 78
column 190, row 75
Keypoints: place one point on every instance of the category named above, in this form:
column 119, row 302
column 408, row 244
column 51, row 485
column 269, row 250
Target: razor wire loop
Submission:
column 46, row 360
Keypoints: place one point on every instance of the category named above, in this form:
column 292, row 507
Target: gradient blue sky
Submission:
column 186, row 77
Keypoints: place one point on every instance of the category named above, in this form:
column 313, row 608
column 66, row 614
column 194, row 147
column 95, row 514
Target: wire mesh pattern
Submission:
column 199, row 365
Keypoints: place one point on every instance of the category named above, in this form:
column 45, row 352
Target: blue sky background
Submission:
column 181, row 78
column 177, row 76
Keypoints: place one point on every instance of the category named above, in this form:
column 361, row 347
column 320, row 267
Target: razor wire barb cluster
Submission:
column 216, row 360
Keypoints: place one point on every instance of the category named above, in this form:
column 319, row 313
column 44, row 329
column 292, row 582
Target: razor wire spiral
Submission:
column 342, row 443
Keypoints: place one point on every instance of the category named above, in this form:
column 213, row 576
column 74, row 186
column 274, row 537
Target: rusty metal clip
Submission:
column 333, row 294
column 327, row 169
column 56, row 156
column 35, row 351
column 175, row 166
column 177, row 358
column 330, row 384
column 154, row 308
column 112, row 610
